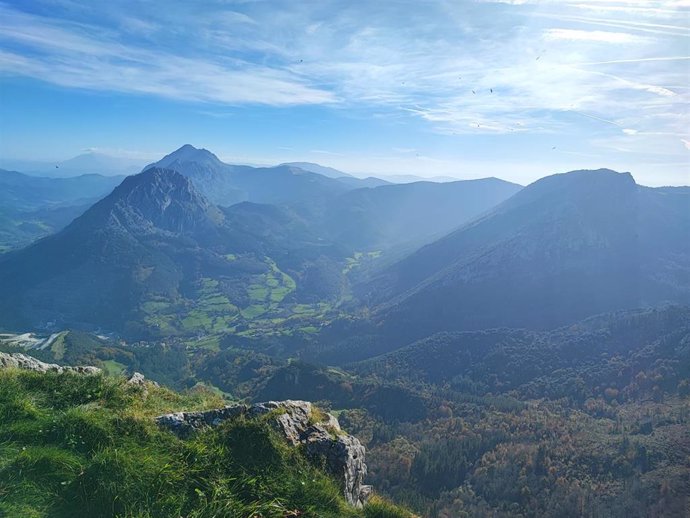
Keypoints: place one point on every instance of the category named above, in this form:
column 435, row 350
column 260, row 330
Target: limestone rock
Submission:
column 23, row 361
column 140, row 380
column 324, row 442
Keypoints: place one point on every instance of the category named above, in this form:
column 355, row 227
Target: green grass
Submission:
column 74, row 445
column 113, row 368
column 57, row 348
column 253, row 311
column 257, row 292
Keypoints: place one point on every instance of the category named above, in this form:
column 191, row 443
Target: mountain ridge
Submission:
column 569, row 238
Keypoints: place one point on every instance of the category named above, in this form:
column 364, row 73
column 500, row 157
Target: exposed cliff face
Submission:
column 320, row 435
column 22, row 361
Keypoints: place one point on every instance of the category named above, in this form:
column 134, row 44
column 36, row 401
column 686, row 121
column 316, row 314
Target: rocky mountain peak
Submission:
column 155, row 199
column 185, row 155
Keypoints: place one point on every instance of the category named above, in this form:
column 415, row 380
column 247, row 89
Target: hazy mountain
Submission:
column 155, row 256
column 369, row 181
column 226, row 184
column 319, row 169
column 411, row 214
column 19, row 191
column 410, row 178
column 211, row 176
column 32, row 207
column 87, row 163
column 563, row 248
column 345, row 178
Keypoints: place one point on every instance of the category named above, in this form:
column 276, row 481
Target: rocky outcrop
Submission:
column 324, row 442
column 22, row 361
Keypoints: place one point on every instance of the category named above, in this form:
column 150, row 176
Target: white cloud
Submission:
column 599, row 36
column 64, row 55
column 486, row 68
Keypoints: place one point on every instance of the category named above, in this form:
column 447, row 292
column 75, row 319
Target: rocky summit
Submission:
column 300, row 424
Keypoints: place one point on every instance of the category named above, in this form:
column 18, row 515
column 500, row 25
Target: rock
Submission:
column 140, row 380
column 184, row 423
column 344, row 457
column 23, row 361
column 324, row 442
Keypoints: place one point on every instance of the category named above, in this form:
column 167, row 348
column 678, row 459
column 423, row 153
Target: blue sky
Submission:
column 513, row 88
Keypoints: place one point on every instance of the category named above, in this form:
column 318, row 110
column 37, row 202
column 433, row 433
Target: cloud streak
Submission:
column 473, row 68
column 73, row 56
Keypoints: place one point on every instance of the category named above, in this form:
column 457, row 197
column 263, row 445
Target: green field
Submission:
column 210, row 313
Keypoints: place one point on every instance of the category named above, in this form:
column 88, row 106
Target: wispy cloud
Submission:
column 473, row 68
column 599, row 36
column 71, row 55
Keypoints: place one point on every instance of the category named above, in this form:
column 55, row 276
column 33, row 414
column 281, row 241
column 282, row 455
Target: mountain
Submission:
column 410, row 178
column 329, row 172
column 408, row 215
column 364, row 214
column 565, row 247
column 86, row 163
column 369, row 181
column 156, row 257
column 226, row 184
column 25, row 193
column 345, row 178
column 32, row 207
column 127, row 244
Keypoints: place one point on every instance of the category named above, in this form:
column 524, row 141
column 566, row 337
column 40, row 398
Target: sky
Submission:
column 516, row 89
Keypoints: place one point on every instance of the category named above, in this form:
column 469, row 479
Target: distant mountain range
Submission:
column 156, row 257
column 193, row 246
column 410, row 178
column 86, row 163
column 226, row 184
column 32, row 207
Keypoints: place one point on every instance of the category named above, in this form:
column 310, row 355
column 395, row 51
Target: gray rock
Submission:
column 138, row 379
column 22, row 361
column 325, row 444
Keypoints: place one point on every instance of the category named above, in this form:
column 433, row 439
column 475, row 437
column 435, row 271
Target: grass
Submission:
column 210, row 312
column 74, row 445
column 113, row 368
column 57, row 348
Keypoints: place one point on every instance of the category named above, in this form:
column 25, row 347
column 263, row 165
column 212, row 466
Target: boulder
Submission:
column 342, row 455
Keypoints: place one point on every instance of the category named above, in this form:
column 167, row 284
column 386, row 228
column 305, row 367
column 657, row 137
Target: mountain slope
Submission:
column 411, row 214
column 342, row 177
column 566, row 247
column 319, row 169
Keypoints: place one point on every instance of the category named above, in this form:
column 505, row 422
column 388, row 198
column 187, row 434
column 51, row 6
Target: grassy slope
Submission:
column 74, row 445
